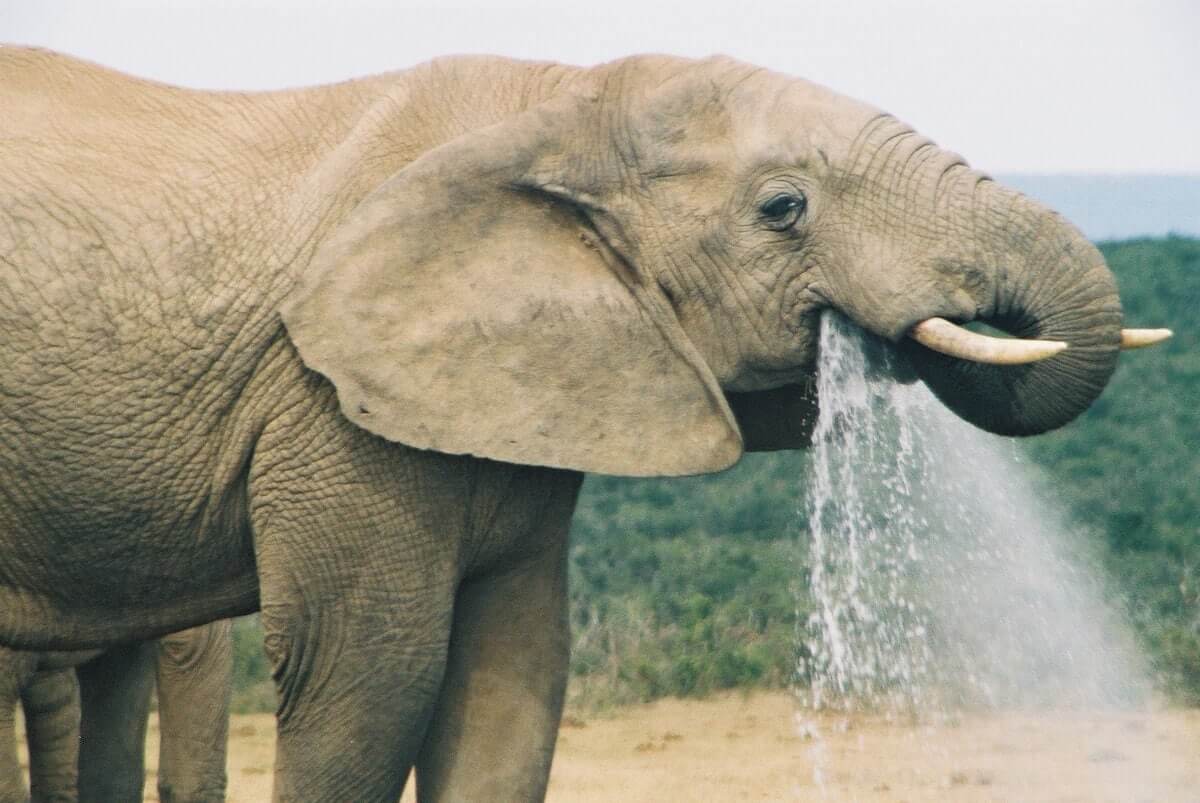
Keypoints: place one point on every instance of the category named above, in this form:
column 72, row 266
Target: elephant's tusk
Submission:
column 1140, row 338
column 947, row 338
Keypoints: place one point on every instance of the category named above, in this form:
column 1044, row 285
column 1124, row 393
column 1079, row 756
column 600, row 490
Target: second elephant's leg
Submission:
column 195, row 680
column 497, row 718
column 51, row 704
column 16, row 670
column 115, row 692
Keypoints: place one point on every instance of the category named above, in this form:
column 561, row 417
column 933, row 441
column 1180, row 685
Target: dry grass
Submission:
column 736, row 748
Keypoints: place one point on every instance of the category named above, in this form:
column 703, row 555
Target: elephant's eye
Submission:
column 783, row 210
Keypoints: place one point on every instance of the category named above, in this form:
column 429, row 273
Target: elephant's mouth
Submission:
column 963, row 360
column 785, row 416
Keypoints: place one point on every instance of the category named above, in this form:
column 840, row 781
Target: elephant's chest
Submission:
column 511, row 512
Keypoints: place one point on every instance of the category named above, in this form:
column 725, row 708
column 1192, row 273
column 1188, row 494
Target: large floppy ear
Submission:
column 471, row 305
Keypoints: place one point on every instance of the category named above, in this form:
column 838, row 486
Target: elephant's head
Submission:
column 627, row 278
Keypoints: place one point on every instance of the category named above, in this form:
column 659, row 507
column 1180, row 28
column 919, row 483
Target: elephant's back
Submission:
column 113, row 312
column 139, row 245
column 147, row 237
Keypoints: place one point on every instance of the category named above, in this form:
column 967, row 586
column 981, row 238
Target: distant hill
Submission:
column 1118, row 207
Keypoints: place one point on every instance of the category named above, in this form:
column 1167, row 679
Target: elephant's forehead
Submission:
column 723, row 113
column 783, row 119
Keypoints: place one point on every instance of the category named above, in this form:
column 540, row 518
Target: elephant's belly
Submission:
column 119, row 552
column 30, row 620
column 65, row 659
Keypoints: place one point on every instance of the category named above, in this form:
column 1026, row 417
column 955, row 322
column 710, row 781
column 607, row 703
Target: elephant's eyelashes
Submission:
column 783, row 210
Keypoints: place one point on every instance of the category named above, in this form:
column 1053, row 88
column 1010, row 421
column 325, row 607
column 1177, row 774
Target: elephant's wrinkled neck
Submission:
column 397, row 117
column 439, row 101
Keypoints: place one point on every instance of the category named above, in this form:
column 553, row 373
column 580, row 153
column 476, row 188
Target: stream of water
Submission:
column 941, row 578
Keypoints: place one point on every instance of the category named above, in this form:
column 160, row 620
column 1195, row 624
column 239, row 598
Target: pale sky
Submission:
column 1108, row 86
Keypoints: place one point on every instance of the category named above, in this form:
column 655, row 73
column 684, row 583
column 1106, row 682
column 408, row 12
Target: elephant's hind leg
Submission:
column 497, row 718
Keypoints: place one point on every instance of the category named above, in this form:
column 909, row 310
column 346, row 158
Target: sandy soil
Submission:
column 736, row 748
column 758, row 748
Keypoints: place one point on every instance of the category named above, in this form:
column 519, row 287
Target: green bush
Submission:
column 253, row 691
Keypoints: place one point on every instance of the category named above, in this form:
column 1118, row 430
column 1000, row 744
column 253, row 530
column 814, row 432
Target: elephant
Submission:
column 49, row 696
column 90, row 746
column 343, row 354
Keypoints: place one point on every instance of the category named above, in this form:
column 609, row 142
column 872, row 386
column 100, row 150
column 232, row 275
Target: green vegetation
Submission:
column 683, row 586
column 1129, row 469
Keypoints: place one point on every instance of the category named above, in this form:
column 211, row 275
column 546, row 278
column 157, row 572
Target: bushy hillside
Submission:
column 682, row 586
column 1130, row 466
column 688, row 585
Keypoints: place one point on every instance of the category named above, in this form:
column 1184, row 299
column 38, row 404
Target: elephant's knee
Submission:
column 50, row 691
column 317, row 655
column 205, row 644
column 289, row 649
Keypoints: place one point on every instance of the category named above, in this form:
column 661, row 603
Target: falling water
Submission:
column 940, row 579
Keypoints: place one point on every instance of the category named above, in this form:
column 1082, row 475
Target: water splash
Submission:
column 940, row 579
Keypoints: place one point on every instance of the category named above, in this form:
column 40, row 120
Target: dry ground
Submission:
column 735, row 748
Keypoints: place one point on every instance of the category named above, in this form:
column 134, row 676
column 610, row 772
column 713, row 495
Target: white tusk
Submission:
column 1140, row 338
column 947, row 338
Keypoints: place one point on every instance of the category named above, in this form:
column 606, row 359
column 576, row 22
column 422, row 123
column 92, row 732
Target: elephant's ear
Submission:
column 470, row 305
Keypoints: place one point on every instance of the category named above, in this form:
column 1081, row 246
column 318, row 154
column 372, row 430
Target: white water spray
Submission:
column 941, row 580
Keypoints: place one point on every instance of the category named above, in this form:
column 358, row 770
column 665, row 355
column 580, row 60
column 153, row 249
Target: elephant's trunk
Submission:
column 1044, row 281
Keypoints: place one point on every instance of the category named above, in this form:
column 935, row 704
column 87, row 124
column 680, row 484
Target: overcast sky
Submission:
column 1107, row 86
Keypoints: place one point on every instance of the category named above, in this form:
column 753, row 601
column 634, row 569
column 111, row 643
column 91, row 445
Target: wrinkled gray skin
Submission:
column 342, row 354
column 50, row 698
column 101, row 759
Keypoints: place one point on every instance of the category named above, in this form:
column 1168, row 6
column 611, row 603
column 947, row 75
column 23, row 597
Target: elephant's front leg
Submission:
column 357, row 673
column 357, row 583
column 115, row 691
column 494, row 729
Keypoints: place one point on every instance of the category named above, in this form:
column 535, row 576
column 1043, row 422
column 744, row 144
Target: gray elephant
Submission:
column 342, row 355
column 49, row 696
column 98, row 755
